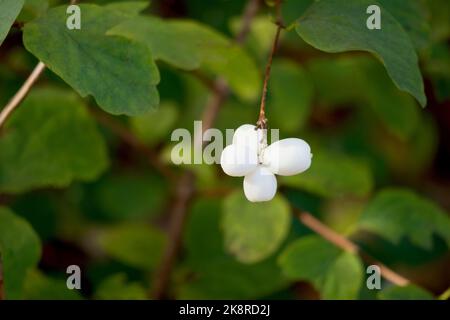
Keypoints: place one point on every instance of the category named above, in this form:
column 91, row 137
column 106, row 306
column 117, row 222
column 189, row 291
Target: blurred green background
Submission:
column 81, row 179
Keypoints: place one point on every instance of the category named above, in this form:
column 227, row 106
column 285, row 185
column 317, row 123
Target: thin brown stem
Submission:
column 348, row 246
column 22, row 93
column 249, row 12
column 185, row 189
column 182, row 197
column 262, row 120
column 214, row 104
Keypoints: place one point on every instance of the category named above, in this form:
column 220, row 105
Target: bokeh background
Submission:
column 380, row 174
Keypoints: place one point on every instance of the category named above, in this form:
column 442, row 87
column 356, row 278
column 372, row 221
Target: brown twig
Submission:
column 348, row 246
column 185, row 189
column 22, row 93
column 262, row 120
column 249, row 12
column 214, row 104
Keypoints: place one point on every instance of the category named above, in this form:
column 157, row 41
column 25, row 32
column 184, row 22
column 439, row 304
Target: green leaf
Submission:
column 116, row 287
column 292, row 9
column 188, row 45
column 9, row 10
column 20, row 250
column 136, row 245
column 254, row 231
column 155, row 125
column 291, row 99
column 437, row 65
column 338, row 26
column 130, row 196
column 50, row 141
column 398, row 213
column 333, row 174
column 440, row 19
column 41, row 287
column 260, row 37
column 363, row 82
column 336, row 81
column 410, row 292
column 129, row 8
column 32, row 9
column 397, row 110
column 336, row 274
column 217, row 275
column 413, row 16
column 119, row 73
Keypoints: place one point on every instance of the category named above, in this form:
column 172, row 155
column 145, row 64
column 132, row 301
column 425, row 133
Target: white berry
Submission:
column 247, row 135
column 250, row 156
column 287, row 157
column 238, row 160
column 260, row 185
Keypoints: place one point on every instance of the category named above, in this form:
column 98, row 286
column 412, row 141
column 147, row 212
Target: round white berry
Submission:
column 287, row 157
column 260, row 185
column 238, row 160
column 248, row 135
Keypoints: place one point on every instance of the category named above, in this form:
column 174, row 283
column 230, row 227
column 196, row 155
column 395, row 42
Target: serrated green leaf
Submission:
column 189, row 45
column 20, row 250
column 41, row 287
column 291, row 99
column 119, row 73
column 338, row 26
column 116, row 287
column 217, row 275
column 254, row 231
column 410, row 292
column 9, row 10
column 333, row 174
column 50, row 141
column 136, row 245
column 336, row 274
column 399, row 213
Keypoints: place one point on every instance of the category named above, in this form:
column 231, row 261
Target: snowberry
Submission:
column 288, row 157
column 248, row 136
column 260, row 185
column 250, row 156
column 237, row 160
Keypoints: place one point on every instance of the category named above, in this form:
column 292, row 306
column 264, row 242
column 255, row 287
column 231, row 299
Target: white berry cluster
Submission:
column 251, row 157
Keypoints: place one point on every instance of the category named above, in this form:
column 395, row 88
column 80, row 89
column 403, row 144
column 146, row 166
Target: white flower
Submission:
column 249, row 156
